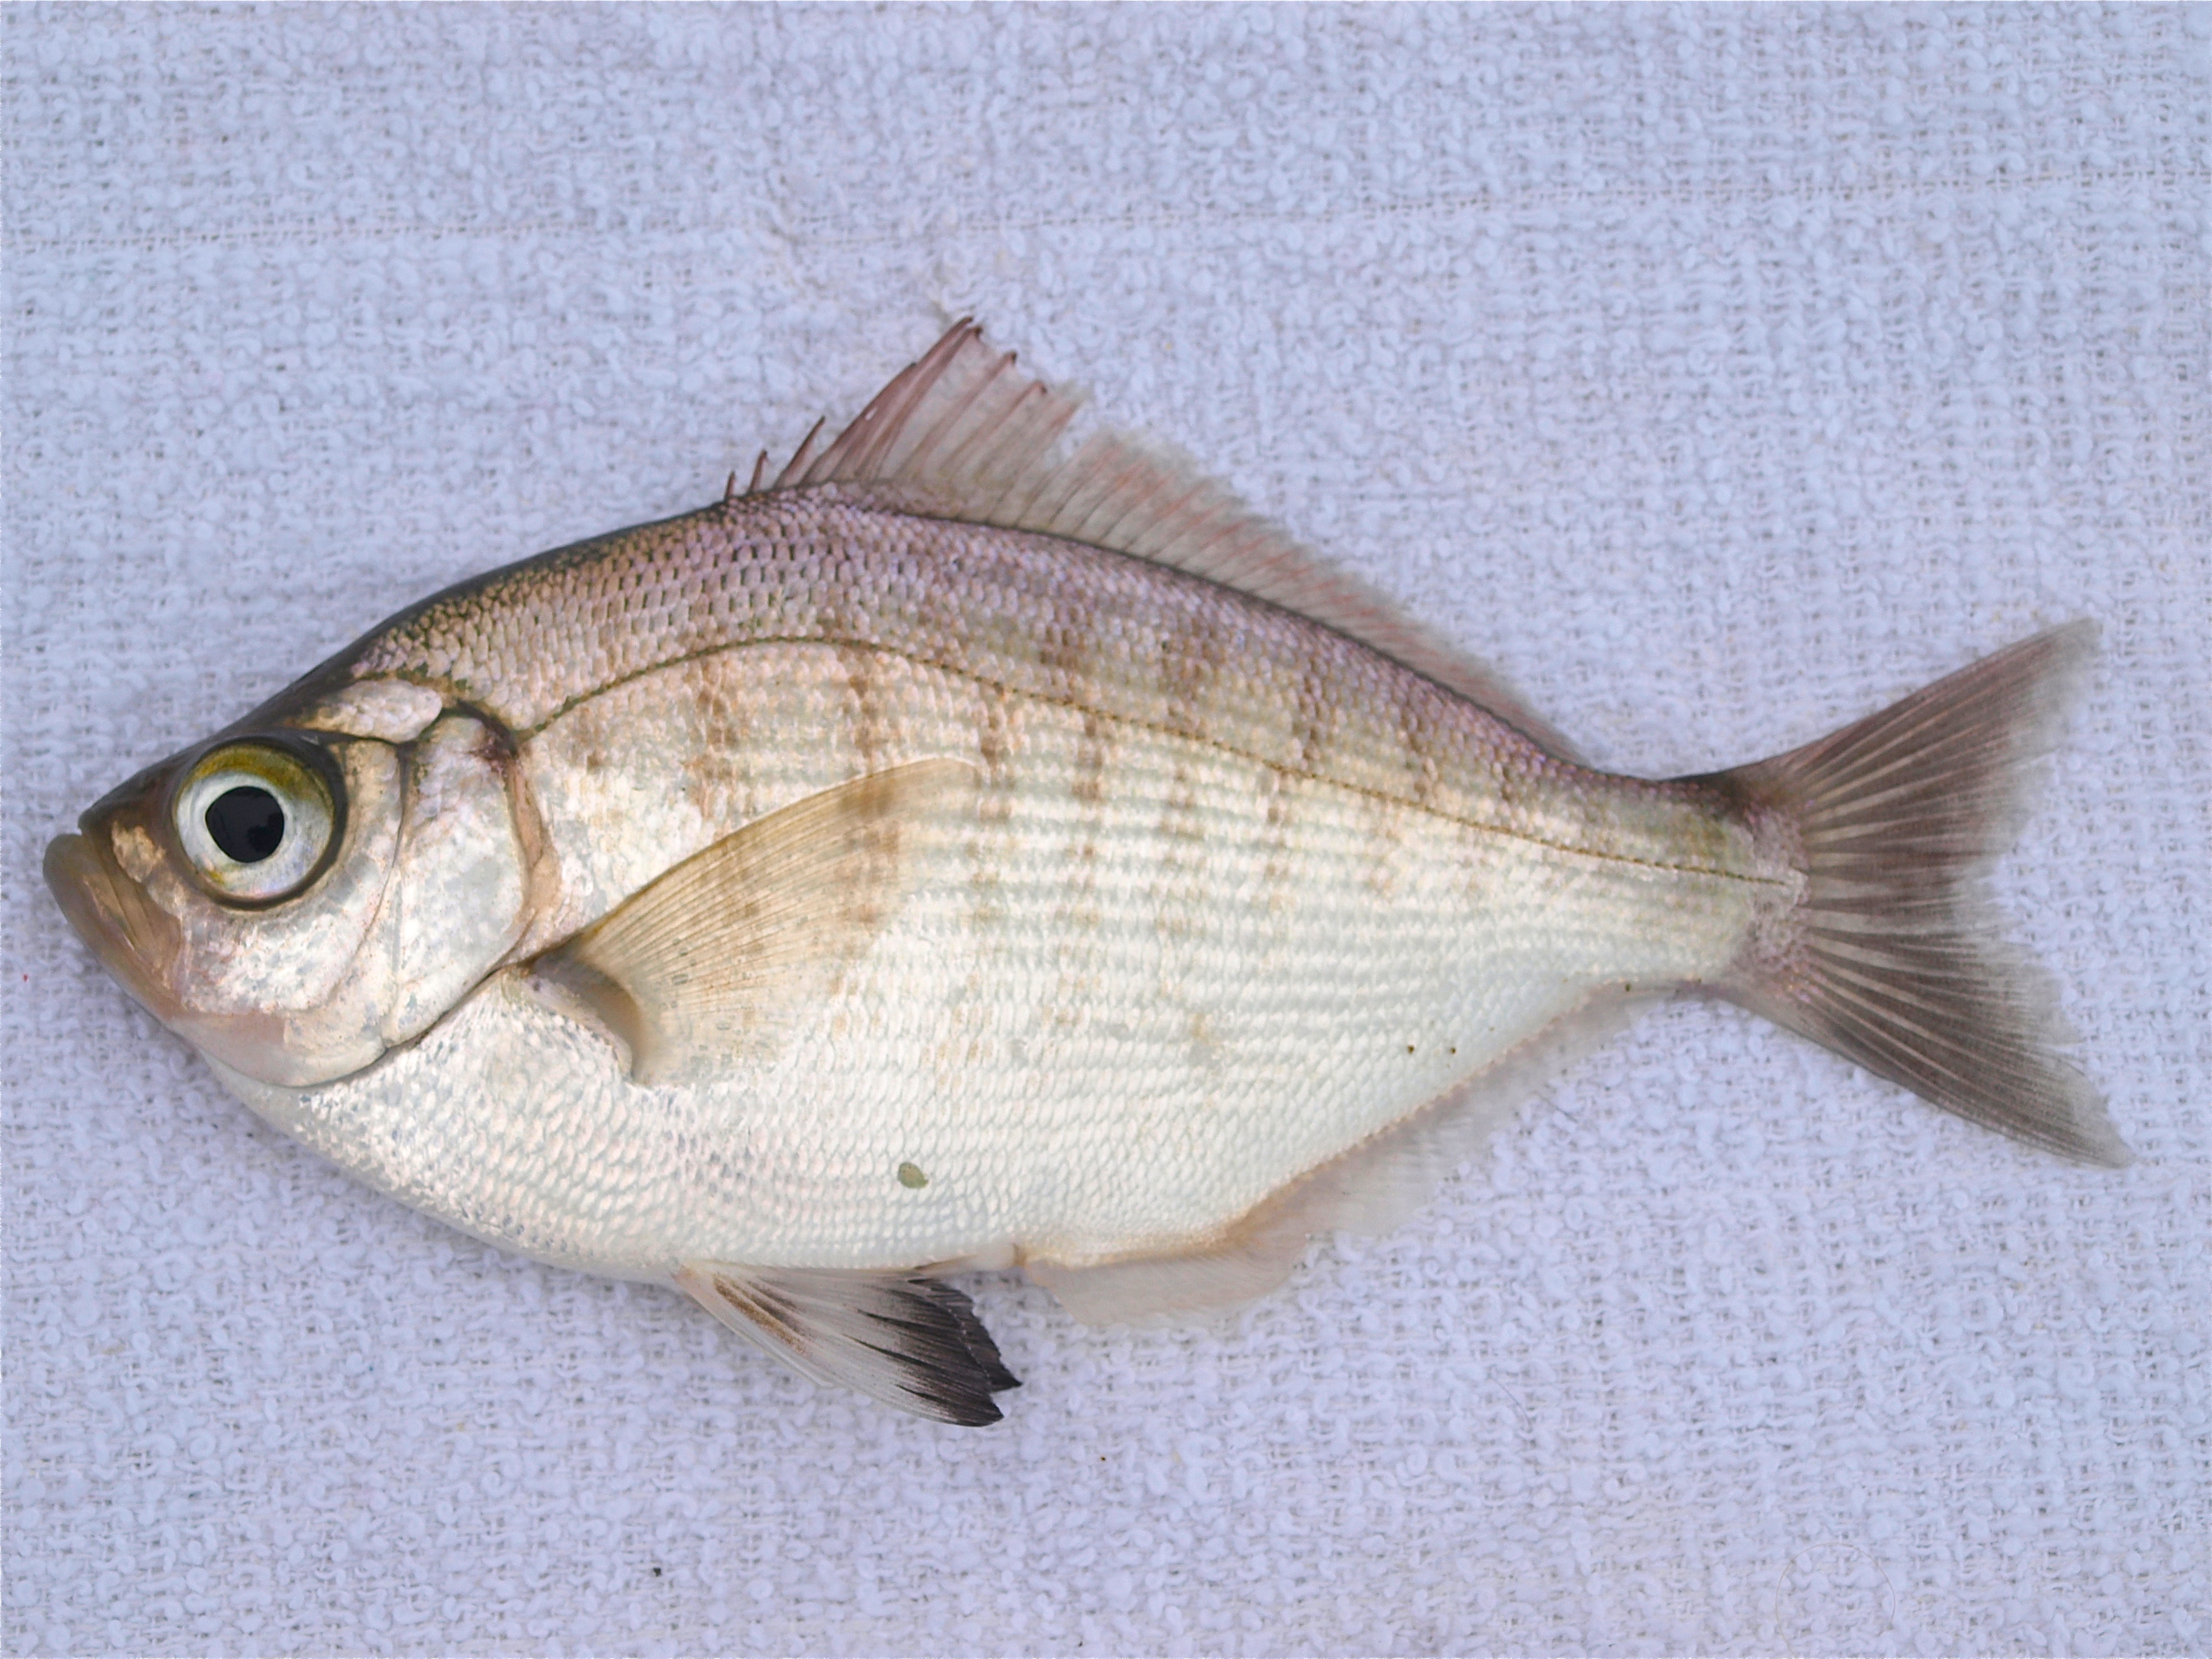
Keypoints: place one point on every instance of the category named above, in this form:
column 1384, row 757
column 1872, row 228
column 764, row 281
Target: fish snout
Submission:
column 134, row 940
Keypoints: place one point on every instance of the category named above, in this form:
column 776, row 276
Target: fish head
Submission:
column 312, row 887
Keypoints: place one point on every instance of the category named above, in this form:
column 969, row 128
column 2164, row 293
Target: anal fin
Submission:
column 908, row 1340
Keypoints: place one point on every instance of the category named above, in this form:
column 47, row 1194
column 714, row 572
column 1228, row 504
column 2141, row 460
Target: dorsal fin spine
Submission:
column 976, row 434
column 890, row 420
column 935, row 434
column 882, row 421
column 1013, row 462
column 796, row 465
column 825, row 466
column 1019, row 501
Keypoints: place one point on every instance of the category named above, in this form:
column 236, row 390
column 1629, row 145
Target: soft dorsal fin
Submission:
column 905, row 1339
column 699, row 966
column 961, row 435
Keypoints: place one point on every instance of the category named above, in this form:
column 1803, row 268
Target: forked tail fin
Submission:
column 1894, row 954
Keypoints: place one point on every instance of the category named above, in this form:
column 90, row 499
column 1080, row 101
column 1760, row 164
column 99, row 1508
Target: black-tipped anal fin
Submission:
column 908, row 1340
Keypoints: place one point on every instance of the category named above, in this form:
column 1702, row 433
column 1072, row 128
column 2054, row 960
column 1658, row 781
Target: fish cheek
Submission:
column 288, row 993
column 461, row 895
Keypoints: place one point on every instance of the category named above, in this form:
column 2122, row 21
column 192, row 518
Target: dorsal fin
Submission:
column 961, row 435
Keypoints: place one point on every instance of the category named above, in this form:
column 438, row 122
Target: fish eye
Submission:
column 255, row 819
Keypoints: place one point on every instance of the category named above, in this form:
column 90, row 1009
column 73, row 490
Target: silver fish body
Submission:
column 956, row 855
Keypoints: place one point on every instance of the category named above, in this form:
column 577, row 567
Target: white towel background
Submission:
column 1719, row 374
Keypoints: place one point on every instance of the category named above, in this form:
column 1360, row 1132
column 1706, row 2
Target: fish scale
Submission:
column 1049, row 622
column 1247, row 874
column 961, row 851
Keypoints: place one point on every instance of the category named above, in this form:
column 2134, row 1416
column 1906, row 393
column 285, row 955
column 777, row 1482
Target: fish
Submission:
column 970, row 849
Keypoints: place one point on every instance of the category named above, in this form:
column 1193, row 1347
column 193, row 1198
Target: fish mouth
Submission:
column 140, row 944
column 135, row 941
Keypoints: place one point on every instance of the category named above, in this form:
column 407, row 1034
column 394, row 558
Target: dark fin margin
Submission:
column 909, row 1340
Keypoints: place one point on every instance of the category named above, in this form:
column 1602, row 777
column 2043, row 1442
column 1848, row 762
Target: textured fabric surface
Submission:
column 1719, row 375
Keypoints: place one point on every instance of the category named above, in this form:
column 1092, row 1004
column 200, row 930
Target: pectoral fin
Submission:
column 909, row 1341
column 696, row 969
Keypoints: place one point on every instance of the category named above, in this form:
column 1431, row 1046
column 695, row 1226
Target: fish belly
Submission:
column 1150, row 980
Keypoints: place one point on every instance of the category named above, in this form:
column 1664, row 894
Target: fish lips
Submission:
column 137, row 942
column 144, row 946
column 133, row 938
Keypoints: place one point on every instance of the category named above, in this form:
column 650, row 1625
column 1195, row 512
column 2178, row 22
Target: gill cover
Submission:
column 295, row 901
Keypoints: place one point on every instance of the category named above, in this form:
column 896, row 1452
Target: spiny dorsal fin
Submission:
column 701, row 963
column 961, row 435
column 906, row 1339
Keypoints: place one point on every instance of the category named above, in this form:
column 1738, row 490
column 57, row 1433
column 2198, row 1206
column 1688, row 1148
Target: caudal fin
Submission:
column 1894, row 956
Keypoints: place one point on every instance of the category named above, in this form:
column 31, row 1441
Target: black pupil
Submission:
column 247, row 823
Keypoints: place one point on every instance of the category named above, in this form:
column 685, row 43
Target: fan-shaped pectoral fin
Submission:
column 697, row 968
